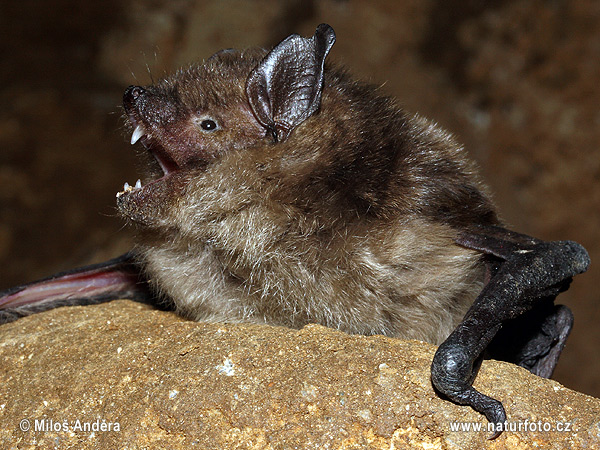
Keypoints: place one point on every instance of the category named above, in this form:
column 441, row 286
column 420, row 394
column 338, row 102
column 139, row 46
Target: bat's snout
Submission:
column 132, row 93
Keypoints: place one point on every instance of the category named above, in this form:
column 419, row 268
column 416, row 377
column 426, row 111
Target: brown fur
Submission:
column 349, row 222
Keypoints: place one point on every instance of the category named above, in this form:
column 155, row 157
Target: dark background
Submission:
column 517, row 82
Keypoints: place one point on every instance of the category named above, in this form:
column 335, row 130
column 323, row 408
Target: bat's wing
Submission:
column 526, row 275
column 118, row 278
column 534, row 340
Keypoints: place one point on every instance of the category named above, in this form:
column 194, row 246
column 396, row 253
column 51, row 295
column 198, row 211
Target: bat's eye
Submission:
column 208, row 125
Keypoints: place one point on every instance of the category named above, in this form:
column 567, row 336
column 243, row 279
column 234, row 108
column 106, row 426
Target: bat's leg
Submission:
column 118, row 278
column 528, row 272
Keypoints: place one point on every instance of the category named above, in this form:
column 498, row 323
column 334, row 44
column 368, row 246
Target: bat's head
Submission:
column 233, row 102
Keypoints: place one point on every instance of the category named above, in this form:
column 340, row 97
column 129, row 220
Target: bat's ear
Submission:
column 285, row 88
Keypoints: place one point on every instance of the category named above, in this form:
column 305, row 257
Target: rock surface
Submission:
column 160, row 382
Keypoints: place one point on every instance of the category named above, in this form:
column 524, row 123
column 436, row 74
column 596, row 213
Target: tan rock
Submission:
column 160, row 382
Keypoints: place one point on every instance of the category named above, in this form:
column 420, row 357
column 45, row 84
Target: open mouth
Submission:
column 165, row 162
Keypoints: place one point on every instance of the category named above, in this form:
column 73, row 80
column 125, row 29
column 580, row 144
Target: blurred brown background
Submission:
column 516, row 81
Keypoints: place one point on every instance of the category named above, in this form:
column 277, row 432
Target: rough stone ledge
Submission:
column 168, row 383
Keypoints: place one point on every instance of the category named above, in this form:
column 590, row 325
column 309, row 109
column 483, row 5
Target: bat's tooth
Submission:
column 128, row 188
column 138, row 184
column 137, row 134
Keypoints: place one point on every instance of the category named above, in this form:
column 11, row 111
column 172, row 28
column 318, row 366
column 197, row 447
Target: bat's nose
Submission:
column 132, row 93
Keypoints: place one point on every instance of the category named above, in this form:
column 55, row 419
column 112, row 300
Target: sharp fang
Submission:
column 137, row 134
column 128, row 188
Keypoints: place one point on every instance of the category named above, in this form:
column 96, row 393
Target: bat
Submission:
column 280, row 190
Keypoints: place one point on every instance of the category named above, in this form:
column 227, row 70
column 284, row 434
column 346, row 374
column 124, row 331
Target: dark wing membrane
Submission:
column 526, row 277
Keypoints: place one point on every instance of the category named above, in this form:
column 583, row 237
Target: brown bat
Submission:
column 282, row 191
